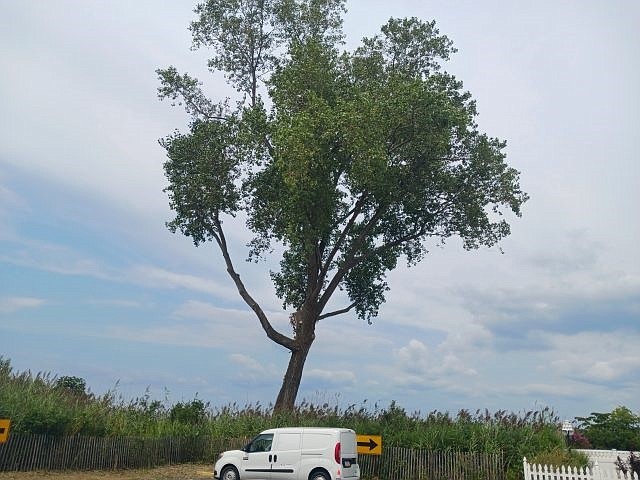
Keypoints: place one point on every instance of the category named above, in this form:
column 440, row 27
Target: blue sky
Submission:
column 93, row 285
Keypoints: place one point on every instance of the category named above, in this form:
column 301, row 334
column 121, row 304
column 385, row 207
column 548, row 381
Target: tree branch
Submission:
column 272, row 333
column 336, row 247
column 351, row 260
column 350, row 257
column 337, row 312
column 184, row 89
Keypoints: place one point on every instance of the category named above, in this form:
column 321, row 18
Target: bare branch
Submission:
column 337, row 312
column 272, row 333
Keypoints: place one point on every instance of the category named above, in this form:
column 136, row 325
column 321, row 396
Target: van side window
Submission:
column 262, row 443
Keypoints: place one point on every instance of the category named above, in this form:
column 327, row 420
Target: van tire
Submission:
column 229, row 473
column 319, row 475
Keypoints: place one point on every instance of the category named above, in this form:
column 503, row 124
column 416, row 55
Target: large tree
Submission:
column 347, row 161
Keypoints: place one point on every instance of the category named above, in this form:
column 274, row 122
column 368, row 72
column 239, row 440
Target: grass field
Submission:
column 174, row 472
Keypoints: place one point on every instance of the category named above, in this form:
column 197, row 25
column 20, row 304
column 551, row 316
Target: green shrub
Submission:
column 561, row 456
column 73, row 385
column 191, row 413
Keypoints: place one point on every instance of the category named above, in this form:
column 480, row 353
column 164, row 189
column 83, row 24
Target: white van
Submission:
column 301, row 453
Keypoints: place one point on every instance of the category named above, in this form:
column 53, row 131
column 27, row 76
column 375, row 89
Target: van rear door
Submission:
column 349, row 454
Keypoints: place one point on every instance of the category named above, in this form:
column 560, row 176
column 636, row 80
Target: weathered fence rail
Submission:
column 398, row 463
column 24, row 452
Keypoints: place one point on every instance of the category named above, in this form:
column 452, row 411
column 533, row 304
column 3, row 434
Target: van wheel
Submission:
column 229, row 473
column 319, row 476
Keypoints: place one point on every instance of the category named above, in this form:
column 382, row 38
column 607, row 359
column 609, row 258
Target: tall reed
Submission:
column 36, row 403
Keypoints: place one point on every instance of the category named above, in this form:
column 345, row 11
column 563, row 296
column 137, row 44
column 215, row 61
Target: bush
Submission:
column 191, row 413
column 561, row 456
column 73, row 385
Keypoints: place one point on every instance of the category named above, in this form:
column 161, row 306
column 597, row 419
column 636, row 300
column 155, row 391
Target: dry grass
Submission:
column 173, row 472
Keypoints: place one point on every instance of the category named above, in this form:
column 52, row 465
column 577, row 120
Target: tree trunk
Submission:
column 304, row 324
column 291, row 381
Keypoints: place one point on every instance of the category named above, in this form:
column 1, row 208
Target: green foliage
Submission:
column 74, row 385
column 619, row 429
column 349, row 161
column 559, row 457
column 36, row 404
column 191, row 413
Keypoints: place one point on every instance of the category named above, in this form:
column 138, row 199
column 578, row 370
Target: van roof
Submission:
column 309, row 429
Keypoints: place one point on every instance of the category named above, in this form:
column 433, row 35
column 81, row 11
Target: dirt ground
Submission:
column 174, row 472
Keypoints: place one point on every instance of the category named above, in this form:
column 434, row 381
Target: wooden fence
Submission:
column 25, row 452
column 398, row 463
column 546, row 472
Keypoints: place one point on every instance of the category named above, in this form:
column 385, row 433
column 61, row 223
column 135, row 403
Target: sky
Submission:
column 93, row 285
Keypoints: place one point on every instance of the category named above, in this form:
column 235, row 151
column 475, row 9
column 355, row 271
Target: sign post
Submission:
column 4, row 429
column 369, row 444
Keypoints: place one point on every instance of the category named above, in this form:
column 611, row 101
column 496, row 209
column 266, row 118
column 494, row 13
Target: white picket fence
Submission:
column 546, row 472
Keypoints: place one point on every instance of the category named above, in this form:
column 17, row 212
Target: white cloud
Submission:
column 416, row 364
column 595, row 357
column 10, row 203
column 194, row 309
column 13, row 304
column 452, row 364
column 246, row 362
column 51, row 257
column 178, row 335
column 247, row 369
column 330, row 377
column 414, row 357
column 161, row 278
column 472, row 338
column 198, row 324
column 119, row 303
column 535, row 390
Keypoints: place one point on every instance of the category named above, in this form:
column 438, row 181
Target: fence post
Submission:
column 597, row 473
column 525, row 466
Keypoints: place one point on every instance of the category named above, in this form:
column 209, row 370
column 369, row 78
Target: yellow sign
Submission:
column 4, row 429
column 369, row 444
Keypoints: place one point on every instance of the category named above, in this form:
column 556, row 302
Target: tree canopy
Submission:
column 349, row 160
column 618, row 429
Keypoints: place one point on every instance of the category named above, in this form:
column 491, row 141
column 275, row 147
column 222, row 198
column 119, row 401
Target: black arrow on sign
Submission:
column 371, row 444
column 2, row 429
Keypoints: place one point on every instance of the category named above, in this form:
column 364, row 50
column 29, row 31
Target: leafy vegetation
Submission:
column 560, row 457
column 36, row 403
column 619, row 429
